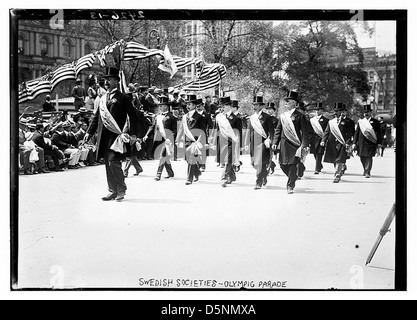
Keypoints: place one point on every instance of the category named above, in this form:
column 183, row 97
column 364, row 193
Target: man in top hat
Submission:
column 208, row 125
column 337, row 138
column 192, row 127
column 164, row 130
column 112, row 144
column 207, row 104
column 292, row 135
column 261, row 132
column 142, row 93
column 183, row 102
column 78, row 92
column 367, row 139
column 319, row 124
column 272, row 111
column 223, row 102
column 229, row 131
column 47, row 105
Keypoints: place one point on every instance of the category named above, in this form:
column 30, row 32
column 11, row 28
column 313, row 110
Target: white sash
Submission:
column 161, row 128
column 225, row 128
column 317, row 127
column 257, row 126
column 196, row 146
column 334, row 128
column 367, row 130
column 111, row 125
column 289, row 131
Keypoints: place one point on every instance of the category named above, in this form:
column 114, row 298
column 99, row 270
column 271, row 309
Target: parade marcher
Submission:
column 261, row 132
column 385, row 134
column 207, row 104
column 48, row 105
column 367, row 139
column 192, row 127
column 214, row 106
column 337, row 140
column 165, row 128
column 182, row 102
column 229, row 128
column 271, row 110
column 78, row 92
column 113, row 145
column 236, row 112
column 293, row 136
column 208, row 125
column 224, row 101
column 319, row 125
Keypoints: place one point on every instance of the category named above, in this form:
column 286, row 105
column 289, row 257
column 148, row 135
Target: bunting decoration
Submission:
column 207, row 75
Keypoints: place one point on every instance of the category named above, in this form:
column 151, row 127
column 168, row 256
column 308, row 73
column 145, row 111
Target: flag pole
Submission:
column 382, row 233
column 56, row 102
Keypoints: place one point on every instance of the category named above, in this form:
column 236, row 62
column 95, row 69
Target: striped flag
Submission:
column 66, row 72
column 181, row 62
column 122, row 83
column 84, row 63
column 208, row 76
column 135, row 51
column 31, row 89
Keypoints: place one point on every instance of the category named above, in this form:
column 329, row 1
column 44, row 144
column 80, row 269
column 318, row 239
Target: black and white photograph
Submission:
column 208, row 150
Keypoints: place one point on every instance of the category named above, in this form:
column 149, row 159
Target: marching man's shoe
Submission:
column 367, row 176
column 188, row 183
column 336, row 180
column 120, row 197
column 224, row 184
column 109, row 197
column 290, row 190
column 258, row 187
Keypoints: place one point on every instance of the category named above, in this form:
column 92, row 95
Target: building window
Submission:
column 23, row 44
column 189, row 29
column 45, row 47
column 69, row 49
column 189, row 70
column 87, row 49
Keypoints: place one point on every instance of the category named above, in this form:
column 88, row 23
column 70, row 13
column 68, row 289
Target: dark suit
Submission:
column 315, row 140
column 196, row 125
column 170, row 125
column 366, row 148
column 78, row 93
column 336, row 152
column 260, row 154
column 55, row 154
column 119, row 109
column 228, row 152
column 288, row 160
column 208, row 124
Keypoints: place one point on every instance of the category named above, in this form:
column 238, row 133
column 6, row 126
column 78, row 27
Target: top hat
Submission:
column 225, row 101
column 318, row 106
column 235, row 104
column 291, row 95
column 191, row 98
column 163, row 100
column 112, row 72
column 302, row 106
column 367, row 108
column 258, row 100
column 271, row 105
column 198, row 101
column 339, row 106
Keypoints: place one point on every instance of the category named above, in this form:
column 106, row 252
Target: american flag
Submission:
column 134, row 51
column 84, row 63
column 208, row 76
column 182, row 62
column 31, row 89
column 66, row 72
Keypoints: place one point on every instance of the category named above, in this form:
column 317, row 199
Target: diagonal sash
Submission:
column 257, row 126
column 367, row 130
column 290, row 132
column 317, row 127
column 111, row 125
column 334, row 128
column 196, row 146
column 225, row 128
column 161, row 128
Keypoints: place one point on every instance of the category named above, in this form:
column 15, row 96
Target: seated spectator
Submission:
column 61, row 139
column 24, row 153
column 37, row 155
column 49, row 149
column 87, row 148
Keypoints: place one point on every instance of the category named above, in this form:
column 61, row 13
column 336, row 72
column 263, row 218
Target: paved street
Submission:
column 317, row 238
